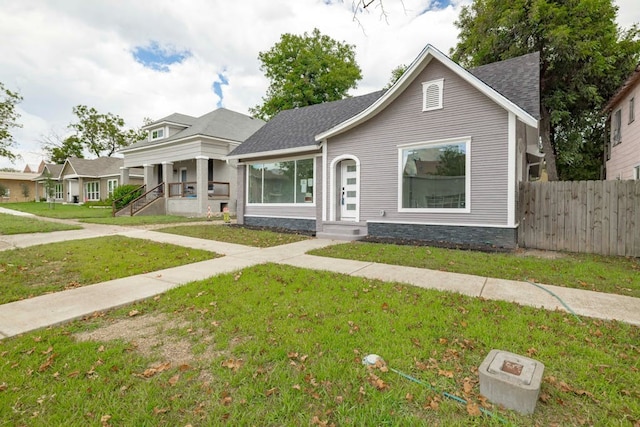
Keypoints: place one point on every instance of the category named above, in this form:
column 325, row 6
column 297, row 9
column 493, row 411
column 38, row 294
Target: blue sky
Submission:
column 157, row 57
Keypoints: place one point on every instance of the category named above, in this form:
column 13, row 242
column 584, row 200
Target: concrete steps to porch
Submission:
column 347, row 231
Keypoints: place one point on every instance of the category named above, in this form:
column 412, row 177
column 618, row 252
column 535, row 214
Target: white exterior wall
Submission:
column 625, row 156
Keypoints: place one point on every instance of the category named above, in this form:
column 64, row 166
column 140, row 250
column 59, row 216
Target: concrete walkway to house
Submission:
column 39, row 312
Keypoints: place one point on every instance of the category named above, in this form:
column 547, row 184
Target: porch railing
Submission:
column 190, row 189
column 144, row 199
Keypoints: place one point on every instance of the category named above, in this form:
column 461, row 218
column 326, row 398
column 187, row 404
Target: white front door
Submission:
column 349, row 191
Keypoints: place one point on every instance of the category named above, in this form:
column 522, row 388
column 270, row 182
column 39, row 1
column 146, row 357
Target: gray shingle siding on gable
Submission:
column 517, row 79
column 466, row 113
column 298, row 127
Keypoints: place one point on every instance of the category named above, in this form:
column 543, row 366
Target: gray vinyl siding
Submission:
column 466, row 112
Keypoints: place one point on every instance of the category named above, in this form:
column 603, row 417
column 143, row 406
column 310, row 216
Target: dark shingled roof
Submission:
column 517, row 79
column 298, row 127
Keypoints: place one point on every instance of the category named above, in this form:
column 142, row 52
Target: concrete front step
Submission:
column 338, row 236
column 342, row 231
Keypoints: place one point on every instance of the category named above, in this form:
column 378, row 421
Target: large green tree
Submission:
column 584, row 57
column 8, row 120
column 306, row 70
column 101, row 134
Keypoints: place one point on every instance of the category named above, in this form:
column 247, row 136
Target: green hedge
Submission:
column 125, row 194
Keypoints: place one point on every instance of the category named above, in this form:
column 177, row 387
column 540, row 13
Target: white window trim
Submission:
column 162, row 129
column 92, row 196
column 616, row 138
column 467, row 205
column 333, row 185
column 112, row 184
column 632, row 109
column 288, row 159
column 440, row 84
column 58, row 191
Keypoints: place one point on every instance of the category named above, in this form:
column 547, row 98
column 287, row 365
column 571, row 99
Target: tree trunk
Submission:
column 547, row 145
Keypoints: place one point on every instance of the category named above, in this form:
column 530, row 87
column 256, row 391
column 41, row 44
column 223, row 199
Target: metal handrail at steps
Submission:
column 141, row 201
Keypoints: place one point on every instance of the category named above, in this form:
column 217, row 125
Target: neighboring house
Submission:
column 86, row 180
column 437, row 157
column 17, row 187
column 183, row 159
column 623, row 150
column 49, row 176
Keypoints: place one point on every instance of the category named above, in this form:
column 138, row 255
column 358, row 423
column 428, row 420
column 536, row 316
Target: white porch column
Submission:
column 167, row 175
column 37, row 192
column 148, row 176
column 202, row 180
column 124, row 176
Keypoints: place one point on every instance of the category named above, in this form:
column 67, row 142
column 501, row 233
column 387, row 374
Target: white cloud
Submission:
column 60, row 54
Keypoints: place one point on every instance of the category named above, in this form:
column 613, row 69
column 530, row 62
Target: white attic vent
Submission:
column 432, row 95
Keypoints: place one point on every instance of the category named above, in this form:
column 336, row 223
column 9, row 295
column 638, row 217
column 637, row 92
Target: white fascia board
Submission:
column 274, row 153
column 413, row 70
column 164, row 123
column 175, row 141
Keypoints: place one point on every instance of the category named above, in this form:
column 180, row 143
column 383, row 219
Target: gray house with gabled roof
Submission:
column 437, row 157
column 183, row 160
column 81, row 180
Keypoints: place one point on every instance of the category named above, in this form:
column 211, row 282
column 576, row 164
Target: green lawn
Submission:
column 234, row 234
column 13, row 224
column 276, row 345
column 59, row 210
column 616, row 275
column 41, row 269
column 142, row 220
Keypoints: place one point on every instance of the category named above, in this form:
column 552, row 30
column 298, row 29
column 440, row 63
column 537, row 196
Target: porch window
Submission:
column 92, row 190
column 112, row 184
column 435, row 176
column 286, row 182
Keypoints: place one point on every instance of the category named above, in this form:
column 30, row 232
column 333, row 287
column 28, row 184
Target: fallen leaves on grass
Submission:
column 150, row 372
column 233, row 364
column 47, row 363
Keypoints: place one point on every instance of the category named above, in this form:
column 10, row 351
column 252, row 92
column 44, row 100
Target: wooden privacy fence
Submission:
column 601, row 217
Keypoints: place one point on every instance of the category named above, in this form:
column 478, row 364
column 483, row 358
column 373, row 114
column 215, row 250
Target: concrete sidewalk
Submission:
column 39, row 312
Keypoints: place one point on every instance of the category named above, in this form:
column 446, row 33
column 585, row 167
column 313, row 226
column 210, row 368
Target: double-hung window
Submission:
column 616, row 126
column 632, row 107
column 290, row 182
column 57, row 191
column 435, row 176
column 92, row 190
column 112, row 184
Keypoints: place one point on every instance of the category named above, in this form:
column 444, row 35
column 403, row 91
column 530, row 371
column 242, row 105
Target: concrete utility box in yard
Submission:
column 511, row 380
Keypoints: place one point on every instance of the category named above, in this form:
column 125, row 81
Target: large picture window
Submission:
column 281, row 182
column 435, row 176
